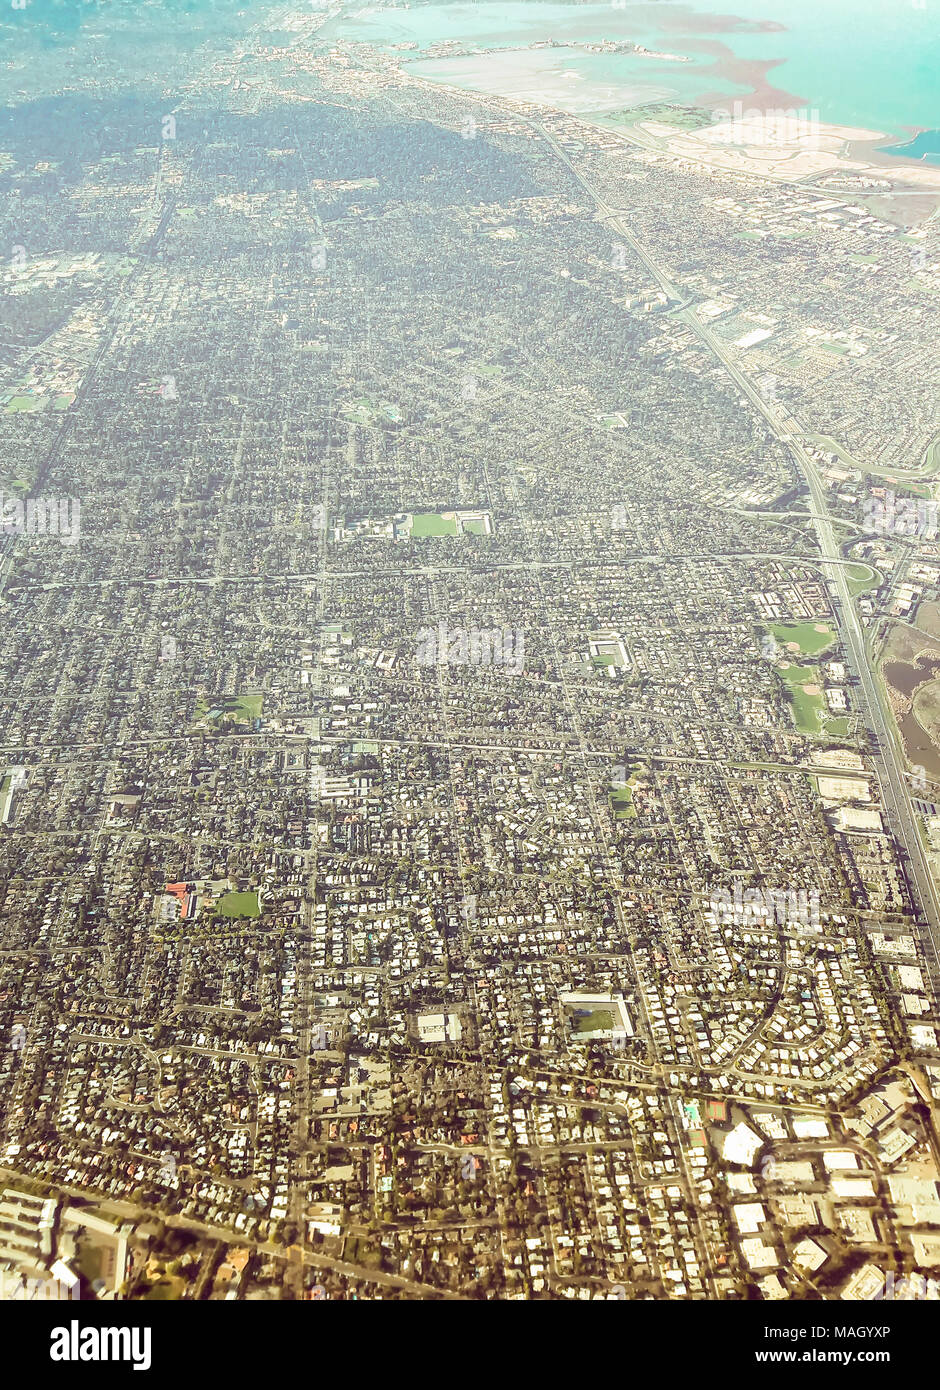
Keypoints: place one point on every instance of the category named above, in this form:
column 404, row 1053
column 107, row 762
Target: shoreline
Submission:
column 908, row 189
column 852, row 157
column 765, row 96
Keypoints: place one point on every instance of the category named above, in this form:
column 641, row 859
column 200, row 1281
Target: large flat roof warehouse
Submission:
column 741, row 1144
column 439, row 1028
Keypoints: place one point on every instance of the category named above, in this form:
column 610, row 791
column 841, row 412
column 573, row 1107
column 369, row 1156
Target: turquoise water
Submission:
column 577, row 81
column 925, row 146
column 869, row 63
column 872, row 63
column 570, row 78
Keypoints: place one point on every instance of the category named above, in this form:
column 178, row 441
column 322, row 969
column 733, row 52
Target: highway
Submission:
column 899, row 816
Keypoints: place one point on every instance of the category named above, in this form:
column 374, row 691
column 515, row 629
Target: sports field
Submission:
column 809, row 638
column 238, row 905
column 432, row 524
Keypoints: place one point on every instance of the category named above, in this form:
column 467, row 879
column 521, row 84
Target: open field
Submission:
column 621, row 800
column 928, row 619
column 861, row 578
column 806, row 696
column 239, row 709
column 594, row 1021
column 659, row 114
column 431, row 524
column 238, row 905
column 907, row 643
column 808, row 638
